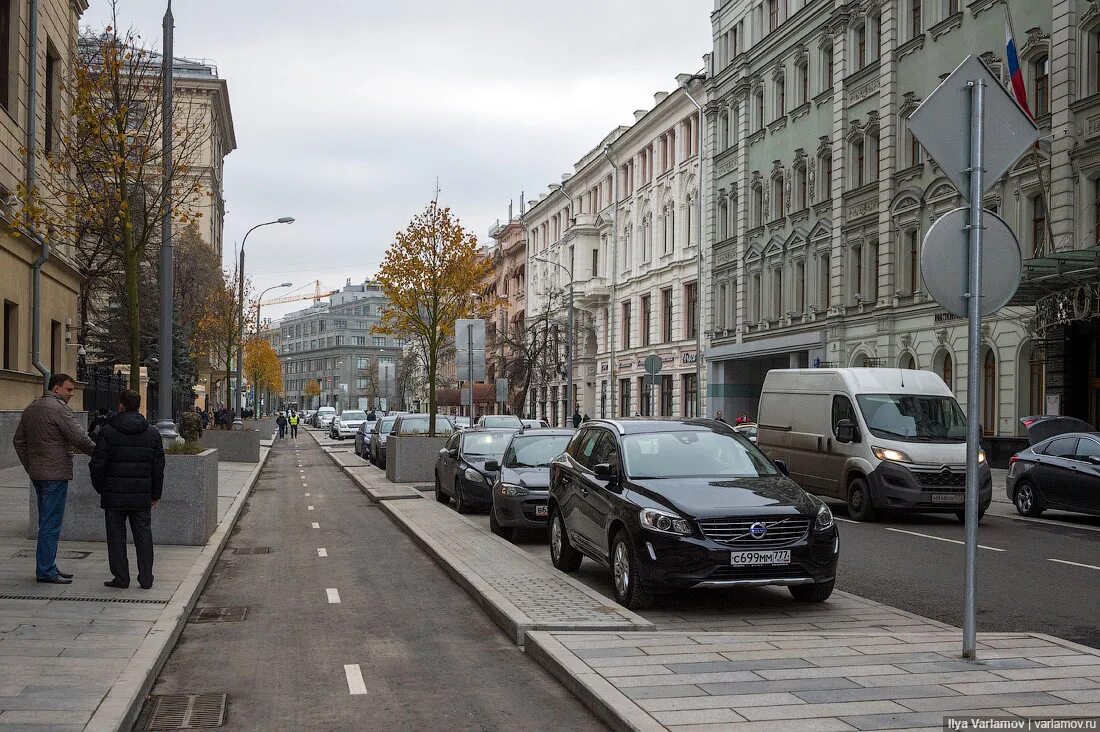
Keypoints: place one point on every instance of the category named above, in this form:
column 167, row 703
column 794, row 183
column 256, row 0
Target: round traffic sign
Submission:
column 653, row 364
column 945, row 262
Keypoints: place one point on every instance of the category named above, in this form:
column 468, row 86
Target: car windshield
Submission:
column 693, row 454
column 501, row 420
column 462, row 421
column 485, row 444
column 352, row 415
column 535, row 451
column 419, row 426
column 387, row 424
column 913, row 417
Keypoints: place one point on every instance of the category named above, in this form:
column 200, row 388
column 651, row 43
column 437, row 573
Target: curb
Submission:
column 610, row 705
column 119, row 710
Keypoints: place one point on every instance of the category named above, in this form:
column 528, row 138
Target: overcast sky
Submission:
column 346, row 111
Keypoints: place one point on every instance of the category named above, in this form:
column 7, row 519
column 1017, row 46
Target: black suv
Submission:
column 675, row 504
column 462, row 470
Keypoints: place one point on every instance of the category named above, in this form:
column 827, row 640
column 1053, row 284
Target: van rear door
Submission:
column 774, row 425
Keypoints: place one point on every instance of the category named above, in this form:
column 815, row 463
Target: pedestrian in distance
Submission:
column 205, row 416
column 294, row 420
column 281, row 422
column 127, row 470
column 46, row 431
column 719, row 418
column 576, row 418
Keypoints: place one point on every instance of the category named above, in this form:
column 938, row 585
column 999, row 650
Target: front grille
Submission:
column 735, row 573
column 941, row 478
column 734, row 532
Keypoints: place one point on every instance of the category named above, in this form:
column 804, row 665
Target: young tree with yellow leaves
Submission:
column 432, row 275
column 261, row 366
column 220, row 329
column 311, row 390
column 104, row 190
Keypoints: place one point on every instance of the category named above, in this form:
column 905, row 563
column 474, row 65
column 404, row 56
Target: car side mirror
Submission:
column 453, row 452
column 492, row 466
column 846, row 431
column 1094, row 459
column 604, row 471
column 782, row 467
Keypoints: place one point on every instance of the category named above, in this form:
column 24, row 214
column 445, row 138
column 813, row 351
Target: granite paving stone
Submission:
column 825, row 724
column 874, row 694
column 980, row 701
column 698, row 716
column 718, row 702
column 660, row 692
column 809, row 711
column 1012, row 687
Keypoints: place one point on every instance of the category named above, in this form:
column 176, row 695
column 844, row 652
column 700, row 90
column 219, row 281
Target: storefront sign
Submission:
column 688, row 357
column 947, row 317
column 1060, row 308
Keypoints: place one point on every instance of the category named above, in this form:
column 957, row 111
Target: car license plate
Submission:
column 542, row 511
column 948, row 497
column 760, row 558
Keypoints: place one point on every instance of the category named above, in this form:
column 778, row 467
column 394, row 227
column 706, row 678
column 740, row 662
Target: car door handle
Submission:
column 584, row 490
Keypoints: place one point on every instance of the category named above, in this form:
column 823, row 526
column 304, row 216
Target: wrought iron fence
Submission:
column 102, row 387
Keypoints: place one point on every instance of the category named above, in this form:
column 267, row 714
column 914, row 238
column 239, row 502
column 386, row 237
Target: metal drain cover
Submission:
column 60, row 555
column 252, row 550
column 218, row 614
column 188, row 711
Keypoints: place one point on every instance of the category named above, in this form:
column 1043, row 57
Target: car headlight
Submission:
column 511, row 490
column 894, row 456
column 474, row 477
column 981, row 456
column 664, row 522
column 824, row 518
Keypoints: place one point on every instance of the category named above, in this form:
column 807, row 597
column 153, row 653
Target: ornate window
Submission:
column 916, row 18
column 757, row 212
column 802, row 81
column 858, row 154
column 859, row 46
column 780, row 95
column 1040, row 74
column 827, row 67
column 778, row 197
column 800, row 197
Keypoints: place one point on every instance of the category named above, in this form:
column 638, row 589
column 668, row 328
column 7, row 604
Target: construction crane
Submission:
column 298, row 295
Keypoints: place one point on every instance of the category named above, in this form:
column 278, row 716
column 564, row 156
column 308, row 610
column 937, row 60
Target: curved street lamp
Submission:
column 237, row 424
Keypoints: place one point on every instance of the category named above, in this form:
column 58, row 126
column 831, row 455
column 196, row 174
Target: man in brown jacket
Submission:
column 42, row 441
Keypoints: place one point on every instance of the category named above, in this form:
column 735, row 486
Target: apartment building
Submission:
column 331, row 344
column 52, row 43
column 820, row 197
column 508, row 284
column 635, row 283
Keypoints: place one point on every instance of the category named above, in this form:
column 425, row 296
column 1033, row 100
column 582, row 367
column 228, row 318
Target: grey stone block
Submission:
column 242, row 446
column 412, row 459
column 187, row 513
column 926, row 691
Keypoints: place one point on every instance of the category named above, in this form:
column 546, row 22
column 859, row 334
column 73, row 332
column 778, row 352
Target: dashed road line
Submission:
column 309, row 508
column 322, row 552
column 333, row 595
column 307, row 495
column 355, row 679
column 316, row 525
column 940, row 538
column 1075, row 564
column 847, row 521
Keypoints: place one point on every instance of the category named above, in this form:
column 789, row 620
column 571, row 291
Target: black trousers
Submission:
column 293, row 430
column 140, row 525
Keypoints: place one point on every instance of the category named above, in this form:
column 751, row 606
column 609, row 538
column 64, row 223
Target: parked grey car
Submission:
column 523, row 482
column 376, row 441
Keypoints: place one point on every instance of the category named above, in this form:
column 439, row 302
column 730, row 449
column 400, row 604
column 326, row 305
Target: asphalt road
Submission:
column 429, row 657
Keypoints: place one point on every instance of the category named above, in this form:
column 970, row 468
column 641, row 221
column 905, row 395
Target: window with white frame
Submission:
column 825, row 175
column 855, row 274
column 916, row 18
column 757, row 212
column 1040, row 84
column 723, row 223
column 758, row 108
column 780, row 95
column 689, row 219
column 645, row 239
column 859, row 46
column 827, row 67
column 778, row 208
column 857, row 155
column 802, row 81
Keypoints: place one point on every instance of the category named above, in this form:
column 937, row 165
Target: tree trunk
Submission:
column 433, row 351
column 133, row 311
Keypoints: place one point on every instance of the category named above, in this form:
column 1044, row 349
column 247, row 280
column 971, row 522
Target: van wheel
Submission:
column 860, row 506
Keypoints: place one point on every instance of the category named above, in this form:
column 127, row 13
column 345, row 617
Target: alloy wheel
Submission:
column 621, row 569
column 1024, row 498
column 555, row 538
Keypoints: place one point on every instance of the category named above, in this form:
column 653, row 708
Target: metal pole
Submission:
column 973, row 371
column 569, row 356
column 239, row 391
column 470, row 366
column 613, row 386
column 165, row 424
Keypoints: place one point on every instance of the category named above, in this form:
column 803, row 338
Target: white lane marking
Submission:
column 310, row 508
column 307, row 495
column 847, row 521
column 333, row 595
column 322, row 552
column 1075, row 564
column 316, row 525
column 305, row 485
column 355, row 679
column 1048, row 522
column 940, row 538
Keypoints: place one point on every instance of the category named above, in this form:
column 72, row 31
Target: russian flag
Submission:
column 1015, row 74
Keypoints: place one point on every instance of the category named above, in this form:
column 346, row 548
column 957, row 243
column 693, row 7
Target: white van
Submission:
column 876, row 438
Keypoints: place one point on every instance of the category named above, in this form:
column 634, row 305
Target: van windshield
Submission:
column 913, row 417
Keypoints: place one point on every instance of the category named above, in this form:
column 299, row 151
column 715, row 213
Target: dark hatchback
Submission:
column 523, row 483
column 1060, row 470
column 461, row 470
column 671, row 504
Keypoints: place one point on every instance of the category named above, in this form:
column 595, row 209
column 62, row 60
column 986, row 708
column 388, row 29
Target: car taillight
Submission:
column 1014, row 459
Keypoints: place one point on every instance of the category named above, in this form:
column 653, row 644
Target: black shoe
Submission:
column 55, row 580
column 117, row 583
column 146, row 587
column 64, row 575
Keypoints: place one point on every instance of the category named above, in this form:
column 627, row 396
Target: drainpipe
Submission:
column 31, row 145
column 614, row 385
column 700, row 270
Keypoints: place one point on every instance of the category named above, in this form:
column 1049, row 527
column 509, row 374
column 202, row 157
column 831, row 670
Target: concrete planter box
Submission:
column 412, row 459
column 233, row 446
column 187, row 513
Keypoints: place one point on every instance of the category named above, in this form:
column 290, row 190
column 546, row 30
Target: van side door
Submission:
column 835, row 454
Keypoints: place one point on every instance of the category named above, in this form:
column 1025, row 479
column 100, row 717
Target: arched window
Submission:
column 827, row 67
column 989, row 393
column 778, row 205
column 907, row 361
column 723, row 131
column 757, row 205
column 802, row 79
column 689, row 213
column 945, row 370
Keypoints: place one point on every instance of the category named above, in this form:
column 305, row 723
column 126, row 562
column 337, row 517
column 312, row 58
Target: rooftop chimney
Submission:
column 660, row 97
column 639, row 113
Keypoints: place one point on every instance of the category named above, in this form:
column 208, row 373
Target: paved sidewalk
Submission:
column 82, row 656
column 826, row 681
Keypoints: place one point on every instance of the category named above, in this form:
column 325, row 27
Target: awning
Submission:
column 1058, row 272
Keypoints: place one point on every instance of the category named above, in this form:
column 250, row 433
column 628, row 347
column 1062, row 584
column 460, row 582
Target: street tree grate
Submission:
column 188, row 711
column 218, row 614
column 30, row 553
column 71, row 598
column 252, row 550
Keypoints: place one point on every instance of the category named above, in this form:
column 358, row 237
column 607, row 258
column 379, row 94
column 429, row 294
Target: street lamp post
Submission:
column 701, row 254
column 237, row 424
column 260, row 302
column 165, row 424
column 569, row 345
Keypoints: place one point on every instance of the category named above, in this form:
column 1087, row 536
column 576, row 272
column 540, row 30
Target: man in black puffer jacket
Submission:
column 128, row 473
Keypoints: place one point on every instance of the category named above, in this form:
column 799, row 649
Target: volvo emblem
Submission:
column 758, row 530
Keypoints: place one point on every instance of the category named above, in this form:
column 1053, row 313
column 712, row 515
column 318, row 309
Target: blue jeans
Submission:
column 51, row 510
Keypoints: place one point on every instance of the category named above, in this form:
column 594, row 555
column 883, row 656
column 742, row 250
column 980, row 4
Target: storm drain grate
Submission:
column 29, row 553
column 252, row 550
column 188, row 711
column 218, row 614
column 70, row 598
column 263, row 488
